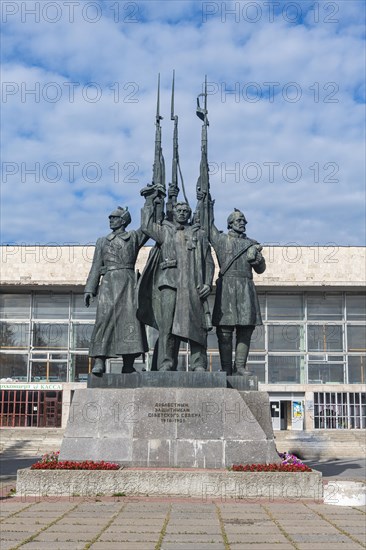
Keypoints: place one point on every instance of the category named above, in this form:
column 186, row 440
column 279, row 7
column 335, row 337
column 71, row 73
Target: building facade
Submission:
column 309, row 355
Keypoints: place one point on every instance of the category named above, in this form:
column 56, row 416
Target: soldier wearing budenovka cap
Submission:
column 112, row 278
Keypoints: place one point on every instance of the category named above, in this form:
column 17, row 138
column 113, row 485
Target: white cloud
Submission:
column 323, row 59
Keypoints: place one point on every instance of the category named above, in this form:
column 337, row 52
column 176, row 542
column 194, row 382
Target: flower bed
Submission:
column 50, row 461
column 270, row 468
column 290, row 463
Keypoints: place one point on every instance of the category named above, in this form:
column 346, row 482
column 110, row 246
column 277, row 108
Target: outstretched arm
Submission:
column 148, row 226
column 214, row 232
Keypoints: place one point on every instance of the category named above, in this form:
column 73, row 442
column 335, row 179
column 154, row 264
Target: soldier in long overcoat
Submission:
column 112, row 278
column 236, row 302
column 180, row 276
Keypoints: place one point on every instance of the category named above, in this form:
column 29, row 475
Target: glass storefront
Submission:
column 307, row 338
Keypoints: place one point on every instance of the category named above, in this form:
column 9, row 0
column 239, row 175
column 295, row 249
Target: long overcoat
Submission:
column 236, row 300
column 182, row 261
column 117, row 330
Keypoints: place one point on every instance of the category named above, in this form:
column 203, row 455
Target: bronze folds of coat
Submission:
column 236, row 302
column 182, row 261
column 117, row 330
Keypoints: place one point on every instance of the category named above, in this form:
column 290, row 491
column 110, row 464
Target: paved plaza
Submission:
column 122, row 523
column 126, row 523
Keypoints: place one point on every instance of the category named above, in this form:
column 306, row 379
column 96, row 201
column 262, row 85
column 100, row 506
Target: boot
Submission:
column 225, row 340
column 99, row 366
column 243, row 336
column 128, row 361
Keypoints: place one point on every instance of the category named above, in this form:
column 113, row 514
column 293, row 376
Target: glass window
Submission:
column 48, row 371
column 14, row 365
column 330, row 410
column 50, row 336
column 80, row 311
column 257, row 341
column 258, row 369
column 51, row 306
column 356, row 337
column 213, row 362
column 262, row 304
column 356, row 307
column 325, row 306
column 327, row 337
column 81, row 335
column 285, row 306
column 81, row 365
column 357, row 369
column 286, row 338
column 287, row 369
column 325, row 372
column 14, row 335
column 212, row 340
column 14, row 306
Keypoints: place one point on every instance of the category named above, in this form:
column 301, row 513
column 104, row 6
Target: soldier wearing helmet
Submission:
column 112, row 279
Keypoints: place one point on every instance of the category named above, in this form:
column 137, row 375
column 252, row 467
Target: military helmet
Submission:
column 123, row 213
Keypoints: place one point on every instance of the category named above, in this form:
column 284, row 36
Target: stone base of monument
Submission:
column 184, row 427
column 156, row 379
column 180, row 379
column 204, row 484
column 246, row 382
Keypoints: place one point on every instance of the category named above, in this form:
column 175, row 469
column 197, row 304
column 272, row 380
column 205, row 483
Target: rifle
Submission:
column 173, row 189
column 203, row 182
column 158, row 180
column 203, row 185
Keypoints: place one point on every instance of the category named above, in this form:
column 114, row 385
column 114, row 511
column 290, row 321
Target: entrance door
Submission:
column 275, row 415
column 297, row 415
column 51, row 417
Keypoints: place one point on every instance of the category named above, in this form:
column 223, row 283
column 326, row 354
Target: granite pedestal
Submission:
column 153, row 379
column 188, row 427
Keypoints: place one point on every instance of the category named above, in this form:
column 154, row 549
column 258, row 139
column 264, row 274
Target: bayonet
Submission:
column 159, row 164
column 173, row 190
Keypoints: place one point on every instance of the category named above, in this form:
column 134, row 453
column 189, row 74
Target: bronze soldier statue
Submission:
column 180, row 272
column 236, row 302
column 117, row 332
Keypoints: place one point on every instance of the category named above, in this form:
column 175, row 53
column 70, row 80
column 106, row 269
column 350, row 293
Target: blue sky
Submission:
column 286, row 110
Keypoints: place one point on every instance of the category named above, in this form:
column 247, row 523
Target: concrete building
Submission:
column 310, row 355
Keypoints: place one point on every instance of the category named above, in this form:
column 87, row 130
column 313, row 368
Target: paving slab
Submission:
column 122, row 546
column 251, row 529
column 17, row 535
column 189, row 529
column 137, row 528
column 243, row 546
column 263, row 538
column 326, row 538
column 190, row 538
column 59, row 538
column 131, row 537
column 335, row 546
column 40, row 545
column 193, row 546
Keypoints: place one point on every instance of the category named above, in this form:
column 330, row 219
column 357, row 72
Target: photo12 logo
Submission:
column 68, row 171
column 53, row 92
column 254, row 12
column 273, row 92
column 69, row 11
